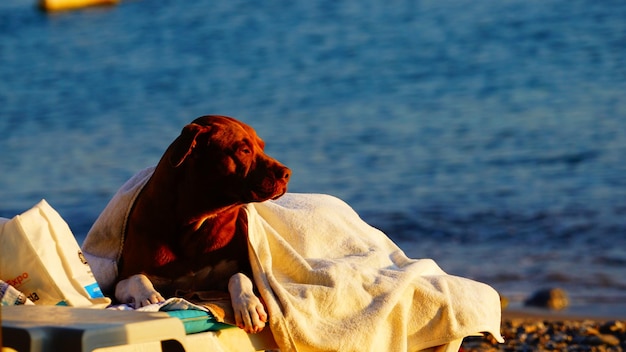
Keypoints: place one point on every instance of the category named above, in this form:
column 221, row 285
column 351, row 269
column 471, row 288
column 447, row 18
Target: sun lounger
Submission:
column 54, row 328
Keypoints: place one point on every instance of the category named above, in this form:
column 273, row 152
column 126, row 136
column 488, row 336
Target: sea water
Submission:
column 489, row 136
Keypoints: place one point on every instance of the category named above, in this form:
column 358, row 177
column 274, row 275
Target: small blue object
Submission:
column 94, row 290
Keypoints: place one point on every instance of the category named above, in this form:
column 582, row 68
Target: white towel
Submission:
column 333, row 283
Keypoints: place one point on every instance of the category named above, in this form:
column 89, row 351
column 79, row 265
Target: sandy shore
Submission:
column 537, row 330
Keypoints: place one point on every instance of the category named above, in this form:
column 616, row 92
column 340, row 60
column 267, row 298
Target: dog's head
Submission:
column 223, row 158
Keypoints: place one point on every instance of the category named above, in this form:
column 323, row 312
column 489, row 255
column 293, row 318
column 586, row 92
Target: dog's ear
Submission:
column 184, row 144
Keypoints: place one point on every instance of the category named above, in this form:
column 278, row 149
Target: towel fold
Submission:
column 104, row 242
column 169, row 305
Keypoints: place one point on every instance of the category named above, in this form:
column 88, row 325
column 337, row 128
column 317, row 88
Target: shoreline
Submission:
column 527, row 313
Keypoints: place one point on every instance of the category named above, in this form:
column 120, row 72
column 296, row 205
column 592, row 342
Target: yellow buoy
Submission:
column 58, row 5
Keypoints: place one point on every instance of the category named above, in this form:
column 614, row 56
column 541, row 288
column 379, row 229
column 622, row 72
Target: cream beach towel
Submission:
column 103, row 245
column 331, row 282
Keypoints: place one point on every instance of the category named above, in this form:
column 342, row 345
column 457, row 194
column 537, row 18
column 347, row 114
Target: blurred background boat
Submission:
column 63, row 5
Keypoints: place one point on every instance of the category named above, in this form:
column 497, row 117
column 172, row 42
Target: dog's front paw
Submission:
column 138, row 291
column 250, row 314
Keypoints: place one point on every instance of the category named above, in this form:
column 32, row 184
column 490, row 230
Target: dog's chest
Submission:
column 195, row 266
column 201, row 274
column 210, row 277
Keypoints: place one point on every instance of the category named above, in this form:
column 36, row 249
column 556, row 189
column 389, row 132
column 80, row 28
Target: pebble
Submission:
column 536, row 335
column 552, row 298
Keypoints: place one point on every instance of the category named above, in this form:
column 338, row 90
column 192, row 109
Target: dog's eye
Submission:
column 243, row 148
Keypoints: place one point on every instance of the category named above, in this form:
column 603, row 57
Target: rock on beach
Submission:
column 552, row 298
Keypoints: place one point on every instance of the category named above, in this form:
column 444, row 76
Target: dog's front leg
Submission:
column 138, row 291
column 250, row 313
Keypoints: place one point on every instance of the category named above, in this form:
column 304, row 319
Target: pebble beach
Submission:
column 536, row 332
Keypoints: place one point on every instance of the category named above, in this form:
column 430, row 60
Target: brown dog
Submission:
column 187, row 231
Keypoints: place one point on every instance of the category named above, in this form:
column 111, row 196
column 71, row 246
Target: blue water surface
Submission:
column 489, row 136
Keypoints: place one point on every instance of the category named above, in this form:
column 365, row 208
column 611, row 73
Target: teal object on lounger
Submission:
column 196, row 321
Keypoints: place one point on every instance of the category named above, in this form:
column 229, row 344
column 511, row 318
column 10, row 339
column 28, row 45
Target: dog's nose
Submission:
column 283, row 173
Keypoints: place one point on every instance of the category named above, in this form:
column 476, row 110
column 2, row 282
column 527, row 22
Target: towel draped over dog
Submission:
column 330, row 281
